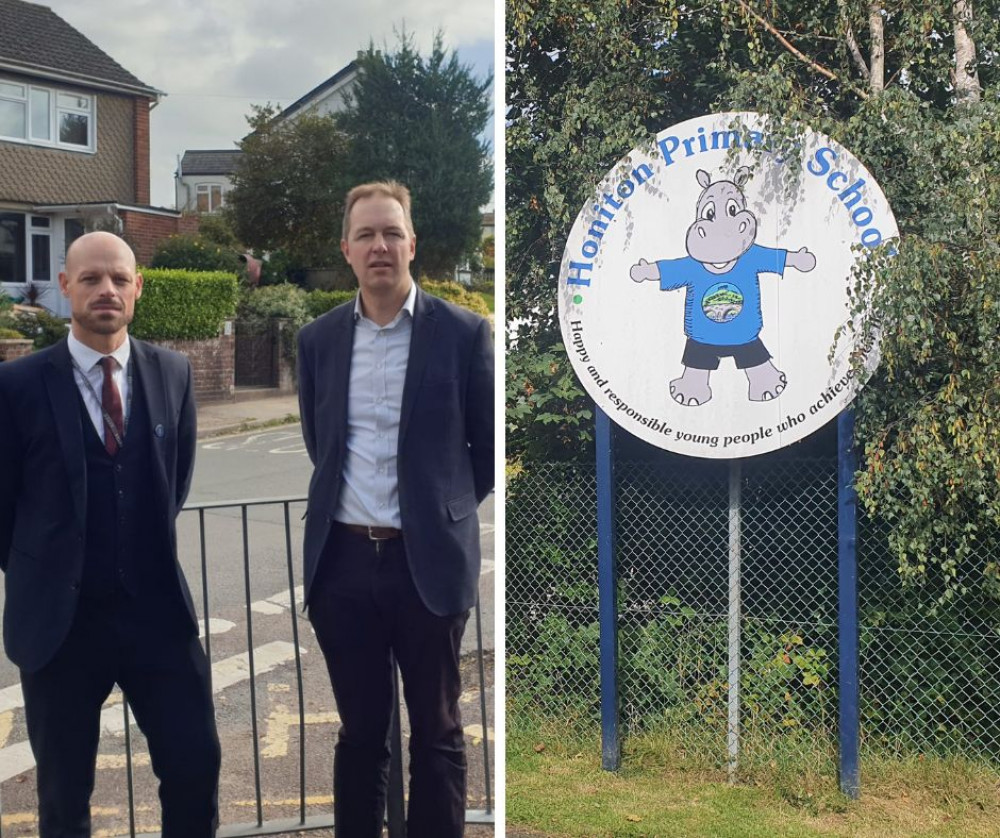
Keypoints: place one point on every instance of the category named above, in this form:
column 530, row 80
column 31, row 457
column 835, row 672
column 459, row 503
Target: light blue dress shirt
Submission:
column 369, row 493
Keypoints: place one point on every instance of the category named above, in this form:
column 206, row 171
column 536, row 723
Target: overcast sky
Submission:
column 214, row 58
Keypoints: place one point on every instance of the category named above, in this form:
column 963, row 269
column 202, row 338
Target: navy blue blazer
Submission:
column 445, row 459
column 43, row 486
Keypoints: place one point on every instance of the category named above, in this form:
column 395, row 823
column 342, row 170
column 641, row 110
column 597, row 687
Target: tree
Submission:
column 289, row 187
column 912, row 90
column 419, row 121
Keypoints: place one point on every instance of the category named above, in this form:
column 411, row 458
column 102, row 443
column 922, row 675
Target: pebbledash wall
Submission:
column 213, row 364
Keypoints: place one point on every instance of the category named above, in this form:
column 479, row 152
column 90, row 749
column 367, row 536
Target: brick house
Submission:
column 74, row 150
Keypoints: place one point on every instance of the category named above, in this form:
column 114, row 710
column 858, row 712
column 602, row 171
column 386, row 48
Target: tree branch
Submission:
column 852, row 45
column 805, row 59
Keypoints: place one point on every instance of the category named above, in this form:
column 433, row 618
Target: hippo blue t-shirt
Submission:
column 722, row 309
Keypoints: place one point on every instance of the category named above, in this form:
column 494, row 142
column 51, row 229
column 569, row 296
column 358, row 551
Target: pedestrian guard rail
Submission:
column 313, row 811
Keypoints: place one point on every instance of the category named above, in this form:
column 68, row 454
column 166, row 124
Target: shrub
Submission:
column 457, row 294
column 270, row 301
column 10, row 334
column 279, row 268
column 320, row 302
column 184, row 305
column 43, row 327
column 195, row 253
column 482, row 285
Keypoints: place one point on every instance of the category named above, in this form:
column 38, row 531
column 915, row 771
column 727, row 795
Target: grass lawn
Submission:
column 561, row 791
column 487, row 298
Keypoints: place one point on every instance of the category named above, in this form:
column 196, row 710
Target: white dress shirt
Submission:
column 369, row 492
column 89, row 361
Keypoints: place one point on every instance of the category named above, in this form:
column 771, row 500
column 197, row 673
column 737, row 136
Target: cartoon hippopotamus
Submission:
column 722, row 315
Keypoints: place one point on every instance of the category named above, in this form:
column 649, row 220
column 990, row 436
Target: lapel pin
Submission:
column 159, row 431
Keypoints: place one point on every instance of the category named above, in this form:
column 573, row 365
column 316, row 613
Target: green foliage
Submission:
column 457, row 294
column 42, row 327
column 320, row 302
column 10, row 334
column 184, row 305
column 280, row 267
column 289, row 187
column 487, row 250
column 930, row 420
column 270, row 301
column 195, row 253
column 217, row 228
column 431, row 143
column 548, row 415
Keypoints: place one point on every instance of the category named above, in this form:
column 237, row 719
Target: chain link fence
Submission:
column 929, row 683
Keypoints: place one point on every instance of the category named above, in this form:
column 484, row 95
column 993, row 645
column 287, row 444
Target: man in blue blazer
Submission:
column 396, row 396
column 97, row 443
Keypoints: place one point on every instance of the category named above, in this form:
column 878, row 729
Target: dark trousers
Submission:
column 163, row 672
column 364, row 608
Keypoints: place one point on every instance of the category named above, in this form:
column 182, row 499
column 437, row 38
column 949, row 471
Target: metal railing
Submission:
column 305, row 821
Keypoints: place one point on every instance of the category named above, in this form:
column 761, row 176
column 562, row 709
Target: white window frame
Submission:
column 32, row 232
column 55, row 112
column 206, row 188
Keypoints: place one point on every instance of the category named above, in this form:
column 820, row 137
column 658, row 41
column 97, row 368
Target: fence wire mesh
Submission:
column 929, row 682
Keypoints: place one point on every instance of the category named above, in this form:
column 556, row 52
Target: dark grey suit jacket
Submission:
column 445, row 460
column 43, row 486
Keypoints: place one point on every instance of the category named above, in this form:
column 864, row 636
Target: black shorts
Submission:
column 705, row 356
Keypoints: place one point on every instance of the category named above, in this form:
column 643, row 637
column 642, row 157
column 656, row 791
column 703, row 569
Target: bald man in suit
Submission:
column 97, row 442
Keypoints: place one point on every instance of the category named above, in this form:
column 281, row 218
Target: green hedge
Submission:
column 184, row 305
column 320, row 302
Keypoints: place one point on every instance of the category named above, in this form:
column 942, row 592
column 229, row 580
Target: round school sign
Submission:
column 702, row 289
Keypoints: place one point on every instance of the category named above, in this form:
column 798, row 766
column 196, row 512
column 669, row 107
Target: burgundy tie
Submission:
column 111, row 402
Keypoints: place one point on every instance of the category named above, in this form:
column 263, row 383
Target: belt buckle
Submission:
column 373, row 537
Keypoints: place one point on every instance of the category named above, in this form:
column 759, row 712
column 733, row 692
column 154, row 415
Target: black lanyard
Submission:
column 108, row 421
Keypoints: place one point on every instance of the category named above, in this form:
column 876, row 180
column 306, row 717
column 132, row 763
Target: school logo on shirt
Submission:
column 702, row 290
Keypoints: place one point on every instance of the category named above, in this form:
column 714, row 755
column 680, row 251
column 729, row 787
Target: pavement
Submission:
column 253, row 408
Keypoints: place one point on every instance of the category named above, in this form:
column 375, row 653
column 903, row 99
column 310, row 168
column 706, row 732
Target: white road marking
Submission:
column 475, row 733
column 16, row 759
column 278, row 603
column 215, row 626
column 11, row 698
column 265, row 607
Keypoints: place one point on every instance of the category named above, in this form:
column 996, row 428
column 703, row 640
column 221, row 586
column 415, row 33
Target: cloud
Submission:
column 214, row 58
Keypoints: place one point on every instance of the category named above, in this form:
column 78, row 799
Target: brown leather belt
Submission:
column 373, row 533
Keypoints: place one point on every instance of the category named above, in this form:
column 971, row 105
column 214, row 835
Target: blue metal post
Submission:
column 847, row 558
column 611, row 751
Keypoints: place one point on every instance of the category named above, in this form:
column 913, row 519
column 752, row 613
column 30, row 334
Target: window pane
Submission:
column 41, row 125
column 12, row 119
column 202, row 201
column 11, row 247
column 73, row 129
column 216, row 197
column 41, row 258
column 14, row 90
column 71, row 100
column 39, row 221
column 74, row 229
